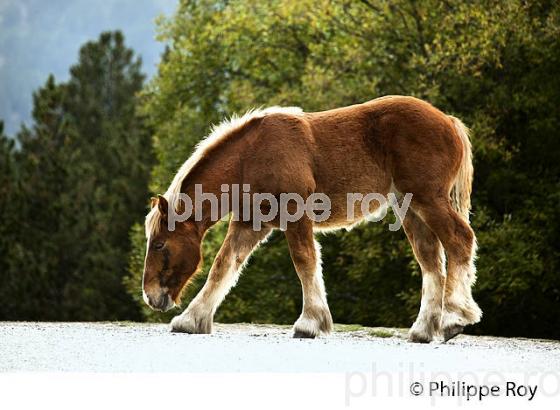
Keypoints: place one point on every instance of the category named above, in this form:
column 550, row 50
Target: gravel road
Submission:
column 137, row 347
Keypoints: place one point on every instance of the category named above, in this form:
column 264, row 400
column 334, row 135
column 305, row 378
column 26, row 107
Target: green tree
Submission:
column 491, row 63
column 9, row 208
column 39, row 265
column 113, row 159
column 84, row 169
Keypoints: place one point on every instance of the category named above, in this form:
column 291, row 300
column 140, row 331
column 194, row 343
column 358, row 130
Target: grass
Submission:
column 347, row 328
column 381, row 333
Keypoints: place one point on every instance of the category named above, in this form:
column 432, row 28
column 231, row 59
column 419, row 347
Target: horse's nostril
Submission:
column 161, row 303
column 166, row 303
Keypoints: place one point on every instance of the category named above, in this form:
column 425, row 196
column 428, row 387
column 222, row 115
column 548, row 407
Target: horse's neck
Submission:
column 211, row 176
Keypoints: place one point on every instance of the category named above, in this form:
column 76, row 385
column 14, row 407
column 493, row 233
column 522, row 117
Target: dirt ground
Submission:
column 138, row 347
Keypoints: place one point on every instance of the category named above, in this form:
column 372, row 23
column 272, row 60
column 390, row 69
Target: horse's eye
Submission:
column 158, row 246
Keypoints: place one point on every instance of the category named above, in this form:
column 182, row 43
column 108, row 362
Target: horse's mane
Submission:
column 218, row 135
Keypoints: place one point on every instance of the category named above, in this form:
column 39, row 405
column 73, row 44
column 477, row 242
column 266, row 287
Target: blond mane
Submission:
column 218, row 134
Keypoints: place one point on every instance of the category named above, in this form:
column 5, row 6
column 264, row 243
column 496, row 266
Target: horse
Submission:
column 393, row 144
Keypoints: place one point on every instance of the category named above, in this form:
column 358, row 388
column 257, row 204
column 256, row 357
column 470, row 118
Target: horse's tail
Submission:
column 462, row 188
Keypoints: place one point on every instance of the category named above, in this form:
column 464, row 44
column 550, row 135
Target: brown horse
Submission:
column 393, row 144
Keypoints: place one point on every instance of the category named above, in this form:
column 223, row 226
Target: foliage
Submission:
column 491, row 63
column 79, row 181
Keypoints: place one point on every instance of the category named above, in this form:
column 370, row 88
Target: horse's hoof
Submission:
column 452, row 331
column 419, row 338
column 298, row 334
column 187, row 324
column 181, row 325
column 420, row 332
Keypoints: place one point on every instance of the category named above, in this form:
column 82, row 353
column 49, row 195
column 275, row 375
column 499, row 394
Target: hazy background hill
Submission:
column 39, row 37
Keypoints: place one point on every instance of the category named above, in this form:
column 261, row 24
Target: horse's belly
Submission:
column 349, row 208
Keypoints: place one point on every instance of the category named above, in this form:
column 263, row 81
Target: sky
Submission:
column 39, row 37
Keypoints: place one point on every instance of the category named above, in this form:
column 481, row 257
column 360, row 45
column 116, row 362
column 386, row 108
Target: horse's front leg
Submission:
column 240, row 241
column 304, row 249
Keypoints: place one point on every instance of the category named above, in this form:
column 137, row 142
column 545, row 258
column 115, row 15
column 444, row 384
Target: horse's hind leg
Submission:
column 459, row 242
column 304, row 250
column 430, row 256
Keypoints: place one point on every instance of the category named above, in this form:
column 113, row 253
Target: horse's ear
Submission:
column 162, row 204
column 153, row 201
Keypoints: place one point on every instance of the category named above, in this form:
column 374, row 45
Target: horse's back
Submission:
column 388, row 139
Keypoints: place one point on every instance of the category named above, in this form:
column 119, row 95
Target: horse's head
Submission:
column 172, row 257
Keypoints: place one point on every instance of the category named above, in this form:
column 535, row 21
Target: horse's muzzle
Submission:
column 161, row 302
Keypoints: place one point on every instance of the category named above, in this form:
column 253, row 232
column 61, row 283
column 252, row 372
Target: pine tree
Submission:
column 8, row 211
column 84, row 169
column 115, row 144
